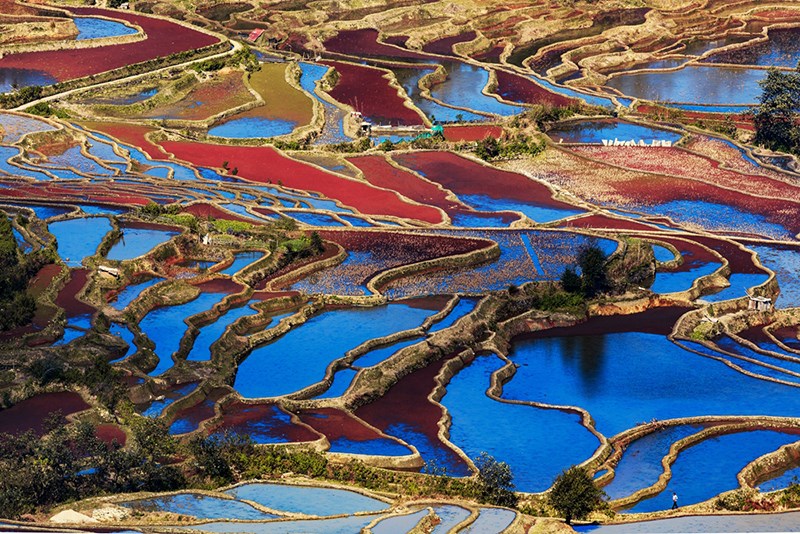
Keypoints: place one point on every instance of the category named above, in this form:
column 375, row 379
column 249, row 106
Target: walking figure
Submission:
column 674, row 501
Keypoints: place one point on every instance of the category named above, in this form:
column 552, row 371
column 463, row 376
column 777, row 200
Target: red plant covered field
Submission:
column 265, row 165
column 474, row 132
column 367, row 91
column 401, row 249
column 130, row 134
column 466, row 177
column 380, row 173
column 444, row 46
column 111, row 194
column 163, row 39
column 679, row 162
column 740, row 261
column 364, row 43
column 518, row 88
column 67, row 297
column 694, row 255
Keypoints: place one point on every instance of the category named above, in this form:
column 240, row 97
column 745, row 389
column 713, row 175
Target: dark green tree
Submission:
column 775, row 116
column 592, row 261
column 574, row 494
column 495, row 482
column 571, row 280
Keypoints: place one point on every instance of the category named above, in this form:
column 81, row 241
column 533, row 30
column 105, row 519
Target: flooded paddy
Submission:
column 264, row 423
column 267, row 373
column 79, row 238
column 595, row 132
column 307, row 500
column 97, row 28
column 137, row 240
column 199, row 506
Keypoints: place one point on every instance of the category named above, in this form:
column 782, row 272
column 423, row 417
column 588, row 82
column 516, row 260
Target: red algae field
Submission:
column 309, row 266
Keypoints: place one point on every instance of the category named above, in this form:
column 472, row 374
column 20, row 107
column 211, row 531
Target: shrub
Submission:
column 574, row 494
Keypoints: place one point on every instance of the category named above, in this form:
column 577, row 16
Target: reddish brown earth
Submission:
column 267, row 165
column 163, row 39
column 366, row 90
column 693, row 254
column 653, row 321
column 203, row 210
column 32, row 413
column 740, row 261
column 110, row 434
column 603, row 221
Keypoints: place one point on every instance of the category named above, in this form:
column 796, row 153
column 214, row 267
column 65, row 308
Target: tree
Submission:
column 592, row 261
column 495, row 481
column 775, row 116
column 571, row 280
column 574, row 494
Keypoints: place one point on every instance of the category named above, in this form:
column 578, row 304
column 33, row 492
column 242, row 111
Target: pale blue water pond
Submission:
column 400, row 523
column 312, row 346
column 242, row 260
column 14, row 77
column 333, row 130
column 409, row 78
column 8, row 152
column 307, row 500
column 463, row 88
column 79, row 238
column 199, row 506
column 343, row 525
column 785, row 262
column 137, row 242
column 491, row 520
column 449, row 516
column 693, row 85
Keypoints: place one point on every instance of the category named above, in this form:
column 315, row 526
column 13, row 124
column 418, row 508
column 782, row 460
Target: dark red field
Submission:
column 163, row 39
column 364, row 43
column 524, row 90
column 204, row 211
column 337, row 424
column 32, row 413
column 740, row 261
column 466, row 177
column 693, row 254
column 602, row 221
column 267, row 165
column 367, row 91
column 653, row 321
column 444, row 46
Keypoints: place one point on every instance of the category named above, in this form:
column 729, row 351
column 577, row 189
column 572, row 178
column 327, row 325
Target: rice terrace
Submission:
column 400, row 266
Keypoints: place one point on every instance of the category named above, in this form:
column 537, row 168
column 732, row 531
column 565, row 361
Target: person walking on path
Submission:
column 674, row 501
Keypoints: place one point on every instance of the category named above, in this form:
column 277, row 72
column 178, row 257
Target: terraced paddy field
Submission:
column 351, row 271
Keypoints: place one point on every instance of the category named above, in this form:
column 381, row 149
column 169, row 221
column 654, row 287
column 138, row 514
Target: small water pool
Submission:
column 138, row 241
column 199, row 506
column 252, row 127
column 307, row 500
column 79, row 238
column 96, row 28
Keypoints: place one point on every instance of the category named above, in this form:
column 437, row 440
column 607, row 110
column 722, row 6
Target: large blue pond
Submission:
column 710, row 467
column 95, row 28
column 137, row 242
column 201, row 350
column 252, row 127
column 627, row 378
column 342, row 525
column 536, row 443
column 597, row 130
column 165, row 326
column 693, row 84
column 307, row 500
column 300, row 357
column 640, row 465
column 79, row 238
column 199, row 506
